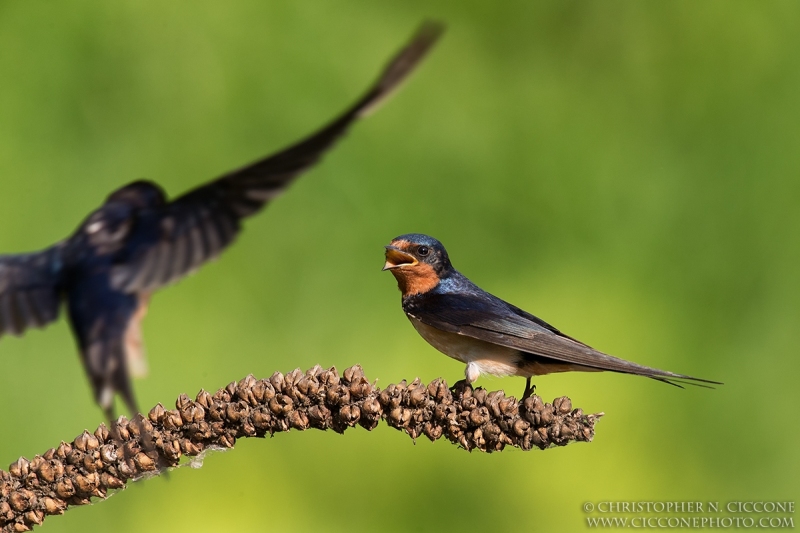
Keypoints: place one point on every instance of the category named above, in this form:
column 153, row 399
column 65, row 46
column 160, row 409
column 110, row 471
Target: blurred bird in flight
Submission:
column 490, row 335
column 137, row 242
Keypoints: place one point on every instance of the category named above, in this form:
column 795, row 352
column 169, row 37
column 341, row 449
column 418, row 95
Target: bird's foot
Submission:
column 529, row 390
column 460, row 386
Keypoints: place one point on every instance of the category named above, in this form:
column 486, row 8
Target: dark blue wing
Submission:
column 172, row 241
column 488, row 318
column 29, row 290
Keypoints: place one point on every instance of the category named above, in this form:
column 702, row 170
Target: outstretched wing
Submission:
column 490, row 319
column 29, row 290
column 172, row 241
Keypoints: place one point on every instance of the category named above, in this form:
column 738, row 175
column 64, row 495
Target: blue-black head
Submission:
column 139, row 194
column 419, row 262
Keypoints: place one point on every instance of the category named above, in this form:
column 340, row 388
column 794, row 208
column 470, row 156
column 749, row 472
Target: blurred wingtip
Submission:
column 403, row 64
column 430, row 30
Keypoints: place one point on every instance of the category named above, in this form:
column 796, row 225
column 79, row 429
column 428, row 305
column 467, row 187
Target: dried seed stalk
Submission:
column 94, row 463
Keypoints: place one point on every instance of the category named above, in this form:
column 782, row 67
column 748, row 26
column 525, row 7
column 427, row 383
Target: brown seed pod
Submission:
column 54, row 505
column 19, row 468
column 73, row 473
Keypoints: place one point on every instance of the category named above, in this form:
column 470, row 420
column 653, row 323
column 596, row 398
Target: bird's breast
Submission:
column 490, row 358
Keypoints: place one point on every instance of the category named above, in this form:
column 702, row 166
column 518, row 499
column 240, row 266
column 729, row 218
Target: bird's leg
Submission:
column 459, row 385
column 529, row 389
column 471, row 373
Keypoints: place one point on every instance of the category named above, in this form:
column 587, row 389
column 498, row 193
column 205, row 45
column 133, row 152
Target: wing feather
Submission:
column 216, row 208
column 485, row 317
column 29, row 290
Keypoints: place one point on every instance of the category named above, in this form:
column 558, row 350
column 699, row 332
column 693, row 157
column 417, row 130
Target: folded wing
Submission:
column 490, row 319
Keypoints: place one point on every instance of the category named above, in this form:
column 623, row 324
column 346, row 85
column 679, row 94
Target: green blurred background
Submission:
column 626, row 170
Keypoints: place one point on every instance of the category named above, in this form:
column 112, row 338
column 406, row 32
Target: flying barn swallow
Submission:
column 137, row 242
column 490, row 335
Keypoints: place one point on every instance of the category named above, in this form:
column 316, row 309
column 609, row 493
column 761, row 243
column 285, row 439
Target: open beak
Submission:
column 396, row 258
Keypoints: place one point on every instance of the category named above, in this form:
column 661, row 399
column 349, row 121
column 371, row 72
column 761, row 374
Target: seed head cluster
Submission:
column 95, row 463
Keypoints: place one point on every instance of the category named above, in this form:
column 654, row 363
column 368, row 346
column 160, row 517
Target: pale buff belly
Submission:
column 134, row 347
column 480, row 356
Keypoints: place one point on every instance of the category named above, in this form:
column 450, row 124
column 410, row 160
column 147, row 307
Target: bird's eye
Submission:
column 423, row 250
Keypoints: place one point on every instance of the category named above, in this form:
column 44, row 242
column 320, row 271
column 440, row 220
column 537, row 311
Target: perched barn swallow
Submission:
column 138, row 242
column 490, row 335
